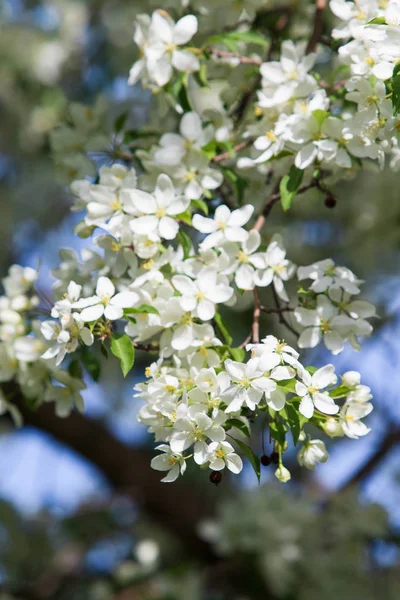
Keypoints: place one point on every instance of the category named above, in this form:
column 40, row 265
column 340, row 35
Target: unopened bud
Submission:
column 282, row 474
column 333, row 428
column 351, row 379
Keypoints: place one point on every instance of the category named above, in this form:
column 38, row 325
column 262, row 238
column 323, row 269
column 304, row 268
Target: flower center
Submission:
column 160, row 212
column 190, row 176
column 325, row 326
column 270, row 135
column 148, row 265
column 220, row 453
column 242, row 257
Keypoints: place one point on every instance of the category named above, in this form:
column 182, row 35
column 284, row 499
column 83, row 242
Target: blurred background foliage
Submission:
column 81, row 514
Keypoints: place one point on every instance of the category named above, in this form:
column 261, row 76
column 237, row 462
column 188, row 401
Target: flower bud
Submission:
column 312, row 453
column 351, row 379
column 333, row 428
column 282, row 474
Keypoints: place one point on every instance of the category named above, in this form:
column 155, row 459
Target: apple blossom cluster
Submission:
column 202, row 413
column 140, row 290
column 160, row 41
column 328, row 311
column 178, row 243
column 333, row 127
column 24, row 349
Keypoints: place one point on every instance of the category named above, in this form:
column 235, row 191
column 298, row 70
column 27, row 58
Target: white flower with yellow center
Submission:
column 310, row 390
column 173, row 462
column 157, row 210
column 201, row 295
column 160, row 42
column 226, row 226
column 105, row 302
column 223, row 455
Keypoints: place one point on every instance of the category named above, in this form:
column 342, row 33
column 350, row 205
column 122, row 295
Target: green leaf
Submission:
column 377, row 21
column 134, row 134
column 289, row 186
column 231, row 39
column 253, row 458
column 179, row 91
column 278, row 432
column 143, row 308
column 239, row 425
column 200, row 205
column 82, row 230
column 396, row 89
column 239, row 183
column 339, row 391
column 201, row 76
column 120, row 122
column 104, row 351
column 91, row 363
column 75, row 369
column 225, row 39
column 238, row 354
column 249, row 37
column 320, row 116
column 185, row 242
column 294, row 422
column 311, row 370
column 122, row 347
column 186, row 217
column 287, row 385
column 210, row 149
column 223, row 329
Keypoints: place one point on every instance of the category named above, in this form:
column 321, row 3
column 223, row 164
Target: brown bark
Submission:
column 179, row 507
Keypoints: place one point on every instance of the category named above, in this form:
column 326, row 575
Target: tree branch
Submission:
column 320, row 6
column 390, row 440
column 177, row 507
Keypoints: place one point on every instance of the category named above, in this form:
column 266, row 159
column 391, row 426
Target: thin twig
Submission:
column 276, row 311
column 320, row 6
column 146, row 347
column 228, row 154
column 243, row 59
column 254, row 335
column 274, row 198
column 256, row 318
column 282, row 318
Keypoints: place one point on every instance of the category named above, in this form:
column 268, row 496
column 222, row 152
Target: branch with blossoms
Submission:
column 169, row 258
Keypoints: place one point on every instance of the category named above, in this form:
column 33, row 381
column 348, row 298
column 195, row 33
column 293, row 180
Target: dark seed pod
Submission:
column 274, row 458
column 330, row 201
column 265, row 460
column 216, row 477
